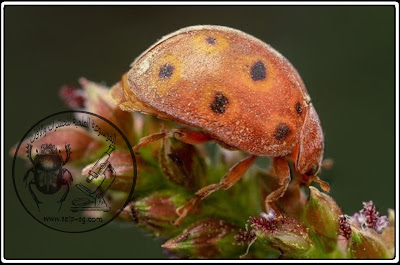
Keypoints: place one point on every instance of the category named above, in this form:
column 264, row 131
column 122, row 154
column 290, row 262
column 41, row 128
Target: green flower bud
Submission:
column 388, row 233
column 157, row 212
column 388, row 239
column 122, row 164
column 366, row 244
column 283, row 233
column 322, row 214
column 208, row 238
column 391, row 217
column 182, row 164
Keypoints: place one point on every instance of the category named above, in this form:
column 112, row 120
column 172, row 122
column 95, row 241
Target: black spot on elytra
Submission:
column 219, row 103
column 281, row 131
column 258, row 71
column 211, row 40
column 166, row 71
column 299, row 108
column 176, row 159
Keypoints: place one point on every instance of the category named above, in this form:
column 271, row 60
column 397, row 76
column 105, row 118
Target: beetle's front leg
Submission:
column 70, row 179
column 233, row 176
column 26, row 176
column 279, row 168
column 184, row 135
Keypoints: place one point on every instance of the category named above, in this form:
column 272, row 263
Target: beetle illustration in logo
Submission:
column 48, row 172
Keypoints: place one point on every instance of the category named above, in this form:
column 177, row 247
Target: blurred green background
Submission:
column 345, row 56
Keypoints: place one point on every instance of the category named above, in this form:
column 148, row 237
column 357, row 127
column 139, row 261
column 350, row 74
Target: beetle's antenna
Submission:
column 323, row 184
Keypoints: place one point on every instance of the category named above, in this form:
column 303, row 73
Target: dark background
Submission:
column 345, row 56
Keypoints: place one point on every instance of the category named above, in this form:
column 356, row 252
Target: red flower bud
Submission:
column 82, row 145
column 74, row 98
column 100, row 102
column 344, row 226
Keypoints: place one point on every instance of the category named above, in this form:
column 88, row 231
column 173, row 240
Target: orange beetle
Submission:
column 238, row 91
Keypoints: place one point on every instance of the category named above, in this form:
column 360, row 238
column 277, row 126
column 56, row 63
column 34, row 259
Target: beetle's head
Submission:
column 48, row 149
column 311, row 148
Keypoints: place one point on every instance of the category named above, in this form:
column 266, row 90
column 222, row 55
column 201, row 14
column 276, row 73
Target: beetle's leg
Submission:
column 307, row 180
column 33, row 194
column 189, row 136
column 184, row 135
column 65, row 193
column 70, row 179
column 26, row 176
column 280, row 169
column 65, row 182
column 233, row 176
column 148, row 140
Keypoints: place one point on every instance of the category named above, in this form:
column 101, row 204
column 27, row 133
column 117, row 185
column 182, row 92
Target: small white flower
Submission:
column 381, row 223
column 270, row 216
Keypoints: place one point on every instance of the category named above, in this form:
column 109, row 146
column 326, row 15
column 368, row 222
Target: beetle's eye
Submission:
column 313, row 171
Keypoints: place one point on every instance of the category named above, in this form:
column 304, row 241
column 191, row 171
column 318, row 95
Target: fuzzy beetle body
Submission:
column 238, row 90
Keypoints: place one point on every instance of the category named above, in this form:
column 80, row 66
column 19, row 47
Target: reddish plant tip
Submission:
column 370, row 214
column 369, row 217
column 74, row 98
column 245, row 236
column 344, row 226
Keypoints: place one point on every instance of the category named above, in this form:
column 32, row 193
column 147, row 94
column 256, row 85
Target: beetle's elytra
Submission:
column 238, row 91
